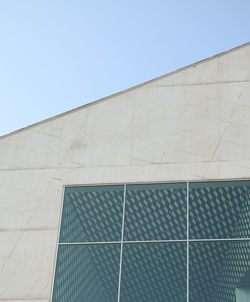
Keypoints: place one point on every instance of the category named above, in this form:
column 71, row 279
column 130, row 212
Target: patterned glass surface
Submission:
column 92, row 214
column 217, row 269
column 156, row 212
column 154, row 272
column 89, row 266
column 219, row 210
column 87, row 273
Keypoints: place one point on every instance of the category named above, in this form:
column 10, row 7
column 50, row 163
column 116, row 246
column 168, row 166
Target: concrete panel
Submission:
column 37, row 300
column 28, row 268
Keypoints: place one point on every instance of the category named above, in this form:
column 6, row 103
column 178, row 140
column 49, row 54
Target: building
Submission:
column 156, row 205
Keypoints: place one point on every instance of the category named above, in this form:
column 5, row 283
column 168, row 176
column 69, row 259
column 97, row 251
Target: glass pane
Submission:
column 156, row 212
column 218, row 270
column 154, row 272
column 92, row 214
column 219, row 210
column 87, row 273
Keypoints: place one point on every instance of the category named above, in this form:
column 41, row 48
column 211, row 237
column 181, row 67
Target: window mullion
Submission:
column 122, row 237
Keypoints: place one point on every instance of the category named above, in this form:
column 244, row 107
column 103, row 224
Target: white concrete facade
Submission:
column 193, row 124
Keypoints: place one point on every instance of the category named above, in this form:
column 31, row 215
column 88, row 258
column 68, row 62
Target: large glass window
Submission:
column 156, row 212
column 92, row 214
column 182, row 242
column 219, row 210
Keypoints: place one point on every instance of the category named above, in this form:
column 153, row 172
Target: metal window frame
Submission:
column 122, row 242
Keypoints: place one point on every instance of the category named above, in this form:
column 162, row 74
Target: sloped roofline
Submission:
column 125, row 91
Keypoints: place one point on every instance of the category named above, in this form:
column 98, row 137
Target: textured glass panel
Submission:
column 154, row 272
column 92, row 214
column 87, row 273
column 217, row 269
column 155, row 212
column 219, row 210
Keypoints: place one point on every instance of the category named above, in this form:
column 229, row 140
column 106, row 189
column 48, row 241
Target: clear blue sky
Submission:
column 56, row 55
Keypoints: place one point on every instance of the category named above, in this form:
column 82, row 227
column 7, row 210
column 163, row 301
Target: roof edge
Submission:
column 125, row 91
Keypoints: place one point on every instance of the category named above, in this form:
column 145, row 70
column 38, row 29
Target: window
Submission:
column 154, row 242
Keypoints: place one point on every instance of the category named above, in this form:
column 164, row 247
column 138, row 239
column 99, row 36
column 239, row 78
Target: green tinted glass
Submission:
column 92, row 214
column 219, row 210
column 156, row 212
column 154, row 272
column 217, row 270
column 87, row 273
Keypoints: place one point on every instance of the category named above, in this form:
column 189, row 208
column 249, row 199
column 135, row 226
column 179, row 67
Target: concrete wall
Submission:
column 190, row 125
